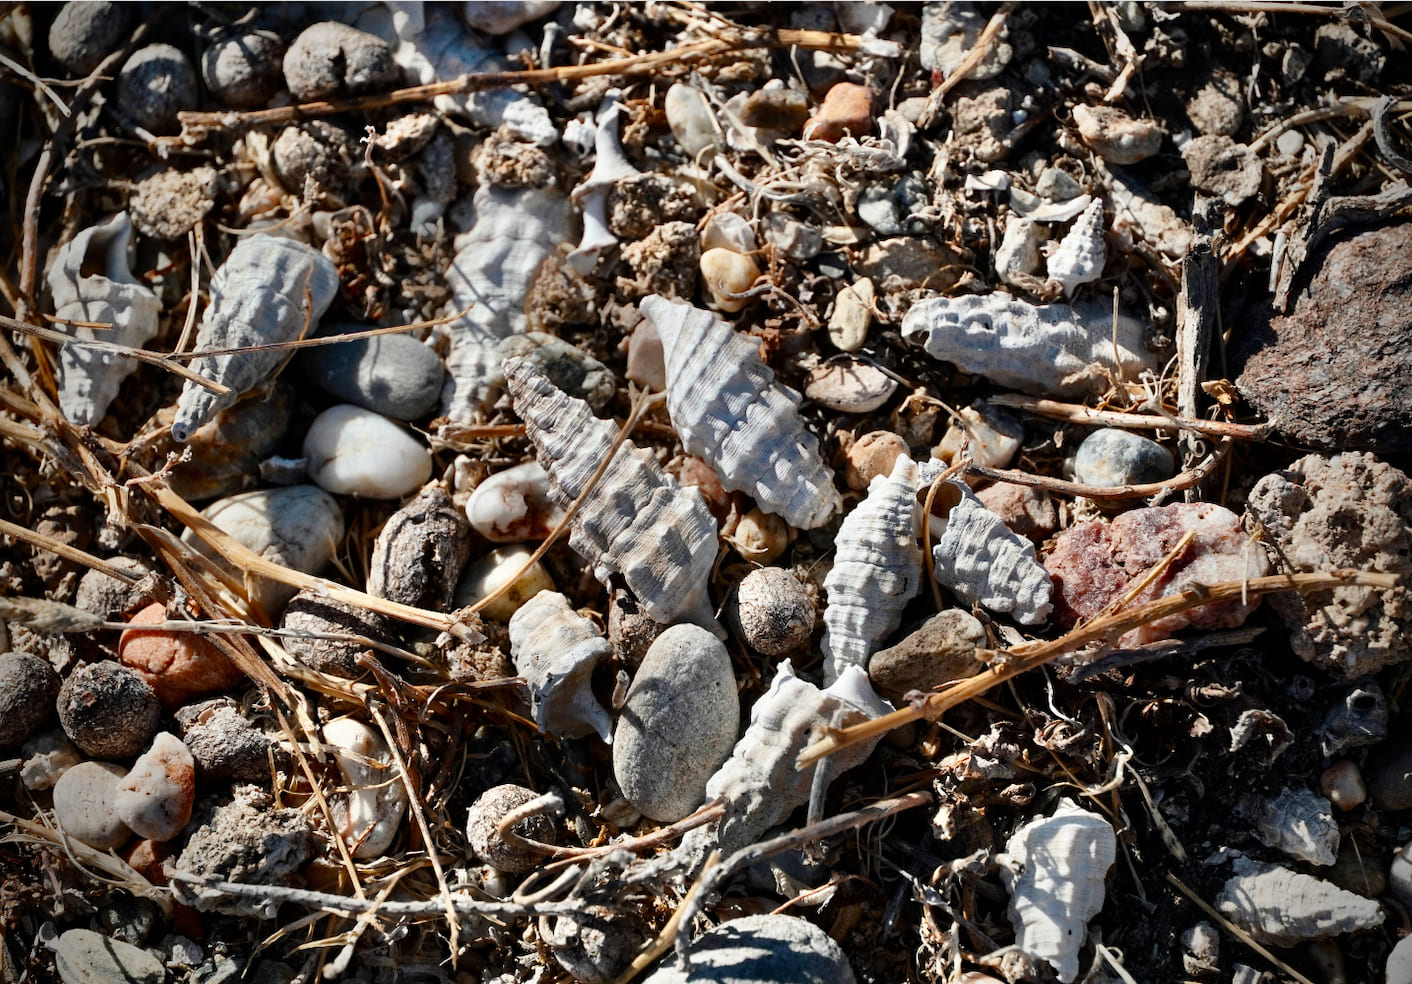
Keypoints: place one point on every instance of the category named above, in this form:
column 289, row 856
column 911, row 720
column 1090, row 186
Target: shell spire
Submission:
column 1081, row 254
column 730, row 411
column 979, row 558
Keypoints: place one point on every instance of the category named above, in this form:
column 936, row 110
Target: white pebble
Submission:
column 156, row 797
column 1342, row 783
column 852, row 314
column 514, row 505
column 727, row 273
column 83, row 805
column 377, row 800
column 353, row 451
column 494, row 569
column 691, row 120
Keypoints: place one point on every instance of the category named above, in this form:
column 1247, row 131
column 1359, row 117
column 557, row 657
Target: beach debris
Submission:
column 489, row 574
column 1297, row 821
column 1281, row 907
column 108, row 710
column 556, row 650
column 370, row 814
column 983, row 562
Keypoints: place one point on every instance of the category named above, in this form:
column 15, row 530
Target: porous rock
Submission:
column 1115, row 136
column 155, row 83
column 47, row 756
column 109, row 597
column 318, row 159
column 1221, row 167
column 941, row 650
column 773, row 611
column 765, row 949
column 329, row 59
column 85, row 957
column 420, row 551
column 313, row 614
column 224, row 744
column 176, row 665
column 596, row 945
column 242, row 67
column 108, row 710
column 483, row 822
column 170, row 203
column 84, row 804
column 393, row 375
column 155, row 798
column 28, row 686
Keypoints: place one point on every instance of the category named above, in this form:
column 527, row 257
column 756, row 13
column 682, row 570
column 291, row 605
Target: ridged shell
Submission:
column 983, row 562
column 877, row 569
column 556, row 649
column 730, row 411
column 1046, row 348
column 637, row 522
column 1082, row 252
column 1055, row 869
column 257, row 298
column 89, row 377
column 1283, row 907
column 514, row 232
column 1298, row 822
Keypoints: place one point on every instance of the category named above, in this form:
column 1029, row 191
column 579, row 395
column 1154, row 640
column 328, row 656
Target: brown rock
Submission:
column 847, row 110
column 1027, row 511
column 943, row 649
column 872, row 455
column 1219, row 166
column 177, row 665
column 1115, row 136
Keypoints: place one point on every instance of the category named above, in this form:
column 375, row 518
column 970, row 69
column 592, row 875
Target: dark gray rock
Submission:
column 769, row 949
column 393, row 375
column 108, row 710
column 331, row 59
column 28, row 686
column 87, row 31
column 1110, row 457
column 243, row 67
column 155, row 84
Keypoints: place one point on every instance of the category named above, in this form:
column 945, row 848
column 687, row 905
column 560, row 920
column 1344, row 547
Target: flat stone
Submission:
column 768, row 949
column 394, row 375
column 85, row 957
column 943, row 649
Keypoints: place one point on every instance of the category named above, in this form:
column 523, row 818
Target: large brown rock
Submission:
column 1336, row 372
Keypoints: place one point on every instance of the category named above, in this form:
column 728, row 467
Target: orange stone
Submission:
column 847, row 110
column 177, row 665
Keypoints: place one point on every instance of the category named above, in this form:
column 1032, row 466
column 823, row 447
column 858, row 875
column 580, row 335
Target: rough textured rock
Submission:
column 155, row 84
column 420, row 552
column 941, row 650
column 331, row 59
column 1335, row 372
column 85, row 957
column 86, row 32
column 314, row 615
column 224, row 744
column 242, row 67
column 1219, row 166
column 1115, row 136
column 170, row 203
column 176, row 665
column 483, row 822
column 773, row 611
column 768, row 949
column 1350, row 510
column 28, row 686
column 108, row 710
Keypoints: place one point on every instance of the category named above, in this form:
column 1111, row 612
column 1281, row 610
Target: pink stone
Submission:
column 177, row 665
column 847, row 110
column 156, row 797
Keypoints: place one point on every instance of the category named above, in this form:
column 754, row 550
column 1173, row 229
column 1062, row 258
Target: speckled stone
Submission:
column 1111, row 457
column 773, row 611
column 108, row 710
column 87, row 31
column 155, row 798
column 394, row 375
column 28, row 686
column 84, row 799
column 177, row 665
column 329, row 59
column 156, row 83
column 482, row 829
column 243, row 66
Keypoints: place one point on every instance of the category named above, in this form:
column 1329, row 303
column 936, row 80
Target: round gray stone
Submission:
column 28, row 686
column 768, row 949
column 1110, row 457
column 85, row 957
column 393, row 375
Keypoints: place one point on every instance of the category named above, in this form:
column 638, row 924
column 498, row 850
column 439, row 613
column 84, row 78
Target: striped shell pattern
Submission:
column 556, row 649
column 983, row 562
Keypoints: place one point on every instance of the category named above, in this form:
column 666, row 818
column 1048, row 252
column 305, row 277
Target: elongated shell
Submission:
column 637, row 521
column 983, row 562
column 268, row 290
column 877, row 569
column 1055, row 868
column 1061, row 349
column 730, row 411
column 1082, row 252
column 556, row 649
column 88, row 376
column 1283, row 907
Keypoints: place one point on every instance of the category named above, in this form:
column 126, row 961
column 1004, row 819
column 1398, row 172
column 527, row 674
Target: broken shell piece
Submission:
column 1017, row 256
column 849, row 385
column 729, row 410
column 514, row 505
column 1081, row 253
column 983, row 434
column 983, row 562
column 610, row 167
column 1297, row 821
column 268, row 290
column 1059, row 349
column 877, row 570
column 377, row 799
column 89, row 377
column 489, row 573
column 726, row 275
column 1283, row 907
column 637, row 520
column 568, row 367
column 1055, row 869
column 556, row 649
column 691, row 120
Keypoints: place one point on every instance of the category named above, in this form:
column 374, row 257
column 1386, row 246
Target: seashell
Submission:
column 1055, row 869
column 728, row 274
column 978, row 557
column 759, row 782
column 514, row 505
column 1060, row 349
column 1112, row 457
column 609, row 167
column 1017, row 256
column 47, row 756
column 491, row 571
column 1040, row 209
column 1297, row 821
column 1358, row 717
column 729, row 410
column 849, row 385
column 877, row 570
column 793, row 239
column 556, row 649
column 258, row 297
column 1138, row 213
column 499, row 17
column 568, row 367
column 352, row 451
column 762, row 949
column 638, row 522
column 420, row 551
column 1081, row 253
column 1283, row 907
column 377, row 799
column 514, row 232
column 88, row 376
column 1201, row 949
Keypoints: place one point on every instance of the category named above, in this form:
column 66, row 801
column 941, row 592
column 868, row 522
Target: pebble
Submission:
column 223, row 455
column 483, row 834
column 596, row 945
column 984, row 434
column 1335, row 372
column 421, row 551
column 1342, row 783
column 87, row 31
column 1027, row 511
column 726, row 273
column 85, row 805
column 176, row 665
column 1115, row 136
column 497, row 17
column 849, row 385
column 647, row 364
column 1399, row 875
column 128, row 918
column 169, row 204
column 47, row 756
column 1389, row 776
column 1218, row 108
column 353, row 451
column 847, row 110
column 85, row 957
column 1290, row 143
column 1110, row 457
column 243, row 67
column 1221, row 167
column 393, row 375
column 28, row 687
column 514, row 505
column 797, row 241
column 491, row 571
column 1357, row 718
column 329, row 60
column 246, row 840
column 678, row 723
column 765, row 949
column 156, row 83
column 156, row 797
column 1399, row 962
column 108, row 597
column 317, row 157
column 852, row 314
column 774, row 612
column 311, row 612
column 871, row 455
column 760, row 537
column 224, row 744
column 878, row 207
column 376, row 799
column 942, row 650
column 692, row 472
column 780, row 109
column 693, row 124
column 728, row 230
column 108, row 710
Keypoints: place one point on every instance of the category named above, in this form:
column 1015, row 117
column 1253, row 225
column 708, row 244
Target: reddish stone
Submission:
column 177, row 665
column 847, row 110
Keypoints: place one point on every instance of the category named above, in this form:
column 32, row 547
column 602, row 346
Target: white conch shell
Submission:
column 1055, row 869
column 759, row 783
column 637, row 522
column 1049, row 348
column 980, row 559
column 877, row 570
column 268, row 290
column 515, row 231
column 610, row 167
column 730, row 412
column 1082, row 252
column 377, row 800
column 89, row 377
column 556, row 649
column 1283, row 907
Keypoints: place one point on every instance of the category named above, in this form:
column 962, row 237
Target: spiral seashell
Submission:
column 1082, row 252
column 637, row 522
column 877, row 569
column 1283, row 907
column 268, row 290
column 1061, row 349
column 978, row 557
column 89, row 377
column 556, row 649
column 730, row 411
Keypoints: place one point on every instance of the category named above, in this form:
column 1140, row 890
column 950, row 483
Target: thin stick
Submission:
column 667, row 937
column 140, row 355
column 1076, row 413
column 68, row 552
column 1175, row 484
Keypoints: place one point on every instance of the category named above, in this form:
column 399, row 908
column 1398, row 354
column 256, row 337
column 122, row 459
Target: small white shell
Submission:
column 258, row 296
column 1082, row 252
column 89, row 377
column 556, row 649
column 610, row 166
column 1055, row 869
column 877, row 570
column 1048, row 348
column 1299, row 822
column 637, row 522
column 983, row 562
column 1283, row 907
column 377, row 800
column 730, row 411
column 1017, row 255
